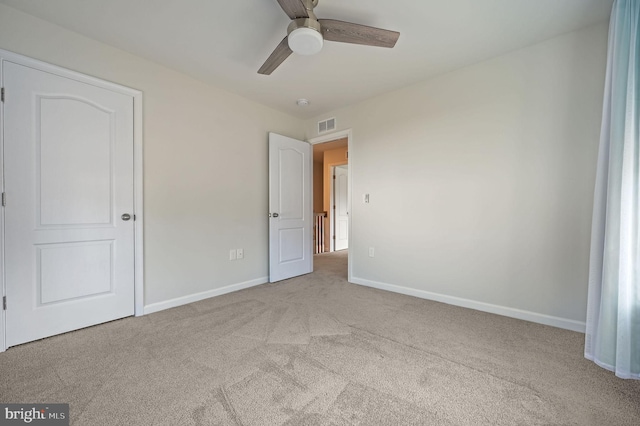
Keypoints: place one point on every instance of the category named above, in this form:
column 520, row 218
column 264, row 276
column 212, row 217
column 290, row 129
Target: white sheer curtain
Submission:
column 613, row 313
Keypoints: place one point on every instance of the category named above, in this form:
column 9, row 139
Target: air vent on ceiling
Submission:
column 326, row 125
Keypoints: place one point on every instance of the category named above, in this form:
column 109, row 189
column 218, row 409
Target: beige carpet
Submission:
column 316, row 350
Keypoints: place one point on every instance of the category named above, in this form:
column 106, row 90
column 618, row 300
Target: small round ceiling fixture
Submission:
column 302, row 102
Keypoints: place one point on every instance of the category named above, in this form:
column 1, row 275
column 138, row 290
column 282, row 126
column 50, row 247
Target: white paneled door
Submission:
column 290, row 208
column 69, row 244
column 341, row 208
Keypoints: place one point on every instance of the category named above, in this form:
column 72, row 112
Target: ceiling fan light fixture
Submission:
column 305, row 41
column 306, row 34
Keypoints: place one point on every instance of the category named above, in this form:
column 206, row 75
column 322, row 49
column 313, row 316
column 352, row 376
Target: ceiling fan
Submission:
column 306, row 33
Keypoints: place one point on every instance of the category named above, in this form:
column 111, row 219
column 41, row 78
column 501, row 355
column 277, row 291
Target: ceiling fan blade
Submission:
column 347, row 32
column 277, row 57
column 294, row 8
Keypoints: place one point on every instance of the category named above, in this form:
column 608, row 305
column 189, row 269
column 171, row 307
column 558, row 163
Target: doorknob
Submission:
column 275, row 215
column 126, row 216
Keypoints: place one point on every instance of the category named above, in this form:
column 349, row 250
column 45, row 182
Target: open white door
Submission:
column 341, row 208
column 69, row 231
column 290, row 208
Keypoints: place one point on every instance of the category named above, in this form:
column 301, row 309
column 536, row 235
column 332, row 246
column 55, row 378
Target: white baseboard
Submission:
column 478, row 306
column 179, row 301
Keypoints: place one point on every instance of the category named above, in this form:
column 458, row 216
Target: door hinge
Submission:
column 4, row 199
column 2, row 94
column 334, row 237
column 134, row 217
column 4, row 303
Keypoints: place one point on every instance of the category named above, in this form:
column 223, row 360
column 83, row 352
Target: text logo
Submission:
column 34, row 414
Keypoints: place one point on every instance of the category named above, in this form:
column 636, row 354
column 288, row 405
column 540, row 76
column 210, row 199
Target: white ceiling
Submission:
column 225, row 42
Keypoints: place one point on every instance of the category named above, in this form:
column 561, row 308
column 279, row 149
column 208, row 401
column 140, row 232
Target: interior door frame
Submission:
column 138, row 187
column 334, row 216
column 348, row 133
column 332, row 211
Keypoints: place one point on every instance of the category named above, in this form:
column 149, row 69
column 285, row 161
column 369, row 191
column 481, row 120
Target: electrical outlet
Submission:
column 372, row 252
column 232, row 254
column 240, row 253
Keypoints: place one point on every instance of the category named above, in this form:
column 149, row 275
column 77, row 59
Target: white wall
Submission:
column 205, row 162
column 481, row 181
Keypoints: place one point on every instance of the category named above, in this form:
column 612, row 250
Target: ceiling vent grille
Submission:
column 326, row 125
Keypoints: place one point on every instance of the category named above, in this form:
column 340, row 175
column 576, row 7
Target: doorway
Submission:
column 330, row 152
column 340, row 208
